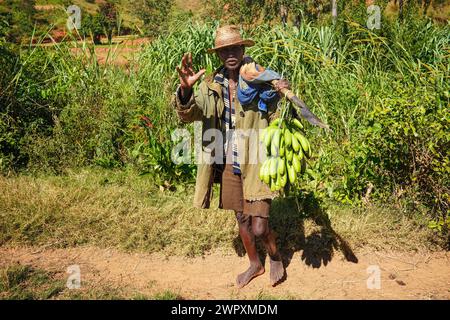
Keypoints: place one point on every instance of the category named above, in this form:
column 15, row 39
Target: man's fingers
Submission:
column 186, row 72
column 179, row 71
column 190, row 71
column 282, row 84
column 199, row 74
column 182, row 72
column 185, row 62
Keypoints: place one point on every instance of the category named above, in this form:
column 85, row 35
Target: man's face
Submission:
column 231, row 56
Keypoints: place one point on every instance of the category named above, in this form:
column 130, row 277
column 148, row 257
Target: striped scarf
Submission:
column 229, row 119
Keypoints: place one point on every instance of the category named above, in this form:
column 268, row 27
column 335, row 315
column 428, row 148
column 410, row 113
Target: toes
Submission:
column 276, row 278
column 240, row 281
column 244, row 278
column 277, row 273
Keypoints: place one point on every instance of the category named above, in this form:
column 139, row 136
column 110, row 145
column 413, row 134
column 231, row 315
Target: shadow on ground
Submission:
column 287, row 217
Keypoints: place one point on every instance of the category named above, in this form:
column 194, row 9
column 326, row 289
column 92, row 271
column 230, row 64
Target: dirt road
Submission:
column 401, row 275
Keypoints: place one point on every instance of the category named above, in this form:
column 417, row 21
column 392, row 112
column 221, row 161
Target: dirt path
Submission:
column 402, row 275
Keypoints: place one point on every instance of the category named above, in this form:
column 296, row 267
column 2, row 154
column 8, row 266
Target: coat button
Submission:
column 242, row 114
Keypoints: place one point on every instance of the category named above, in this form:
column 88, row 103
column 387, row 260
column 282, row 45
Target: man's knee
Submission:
column 260, row 227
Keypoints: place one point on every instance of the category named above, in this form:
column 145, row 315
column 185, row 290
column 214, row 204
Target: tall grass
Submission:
column 384, row 94
column 111, row 208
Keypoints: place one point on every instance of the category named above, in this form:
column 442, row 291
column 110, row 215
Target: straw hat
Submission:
column 229, row 36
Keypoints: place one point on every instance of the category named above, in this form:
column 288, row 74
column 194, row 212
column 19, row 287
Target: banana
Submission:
column 273, row 167
column 275, row 122
column 283, row 179
column 295, row 144
column 291, row 174
column 273, row 186
column 297, row 123
column 300, row 154
column 276, row 137
column 268, row 136
column 287, row 149
column 261, row 171
column 274, row 150
column 289, row 154
column 287, row 137
column 309, row 153
column 266, row 176
column 281, row 166
column 282, row 146
column 275, row 145
column 303, row 142
column 265, row 169
column 278, row 182
column 296, row 163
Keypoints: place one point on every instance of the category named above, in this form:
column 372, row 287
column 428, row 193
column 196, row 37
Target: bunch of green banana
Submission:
column 286, row 149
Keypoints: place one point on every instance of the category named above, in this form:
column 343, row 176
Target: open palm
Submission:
column 187, row 76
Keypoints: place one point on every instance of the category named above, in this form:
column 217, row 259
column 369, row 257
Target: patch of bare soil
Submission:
column 401, row 275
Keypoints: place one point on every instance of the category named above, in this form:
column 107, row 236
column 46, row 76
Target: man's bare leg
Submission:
column 248, row 239
column 260, row 228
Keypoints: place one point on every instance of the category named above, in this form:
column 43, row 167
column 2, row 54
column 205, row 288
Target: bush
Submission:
column 30, row 97
column 18, row 15
column 155, row 15
column 383, row 93
column 407, row 143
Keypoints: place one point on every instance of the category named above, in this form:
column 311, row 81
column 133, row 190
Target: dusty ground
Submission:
column 402, row 275
column 120, row 53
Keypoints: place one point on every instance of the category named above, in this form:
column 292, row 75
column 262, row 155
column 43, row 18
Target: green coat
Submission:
column 201, row 107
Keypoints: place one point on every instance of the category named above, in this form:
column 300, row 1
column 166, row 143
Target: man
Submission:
column 218, row 105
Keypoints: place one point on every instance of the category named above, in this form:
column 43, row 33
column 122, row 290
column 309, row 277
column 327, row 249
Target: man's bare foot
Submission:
column 276, row 272
column 253, row 271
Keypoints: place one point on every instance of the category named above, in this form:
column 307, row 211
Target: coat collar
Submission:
column 211, row 80
column 215, row 82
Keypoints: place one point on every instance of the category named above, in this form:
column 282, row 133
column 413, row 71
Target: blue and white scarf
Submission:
column 229, row 119
column 252, row 85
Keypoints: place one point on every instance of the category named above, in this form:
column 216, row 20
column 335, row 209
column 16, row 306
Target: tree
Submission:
column 92, row 25
column 108, row 12
column 18, row 16
column 154, row 15
column 104, row 22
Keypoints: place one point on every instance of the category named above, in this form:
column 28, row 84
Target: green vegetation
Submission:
column 17, row 18
column 317, row 11
column 19, row 282
column 155, row 15
column 24, row 282
column 383, row 92
column 116, row 208
column 26, row 20
column 167, row 295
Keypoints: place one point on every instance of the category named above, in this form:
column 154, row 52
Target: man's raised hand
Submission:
column 187, row 76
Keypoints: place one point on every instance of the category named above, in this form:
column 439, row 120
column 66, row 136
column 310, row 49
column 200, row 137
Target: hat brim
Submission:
column 247, row 43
